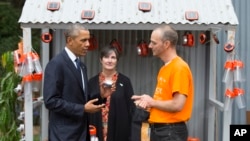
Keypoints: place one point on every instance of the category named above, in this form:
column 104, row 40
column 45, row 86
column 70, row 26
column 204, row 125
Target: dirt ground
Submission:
column 36, row 130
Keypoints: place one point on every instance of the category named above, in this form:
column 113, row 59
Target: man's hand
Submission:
column 90, row 107
column 144, row 101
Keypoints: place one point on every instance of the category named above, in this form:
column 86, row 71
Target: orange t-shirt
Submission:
column 173, row 77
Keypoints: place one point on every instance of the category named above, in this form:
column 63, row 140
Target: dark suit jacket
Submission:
column 64, row 97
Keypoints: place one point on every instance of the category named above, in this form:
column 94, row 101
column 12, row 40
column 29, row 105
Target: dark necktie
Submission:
column 79, row 73
column 78, row 62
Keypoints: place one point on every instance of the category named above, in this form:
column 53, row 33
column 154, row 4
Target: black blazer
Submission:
column 65, row 97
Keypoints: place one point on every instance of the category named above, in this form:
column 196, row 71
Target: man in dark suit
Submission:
column 66, row 89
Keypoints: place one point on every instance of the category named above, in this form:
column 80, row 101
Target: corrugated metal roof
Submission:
column 117, row 13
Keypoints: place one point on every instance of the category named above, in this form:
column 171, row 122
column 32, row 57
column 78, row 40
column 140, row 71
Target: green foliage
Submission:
column 15, row 3
column 10, row 31
column 8, row 100
column 10, row 34
column 7, row 61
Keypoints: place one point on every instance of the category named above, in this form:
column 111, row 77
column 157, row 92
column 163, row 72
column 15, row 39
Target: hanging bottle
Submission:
column 229, row 96
column 30, row 65
column 228, row 73
column 37, row 64
column 238, row 67
column 37, row 82
column 92, row 131
column 240, row 97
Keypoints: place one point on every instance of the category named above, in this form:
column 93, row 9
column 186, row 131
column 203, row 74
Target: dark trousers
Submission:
column 169, row 132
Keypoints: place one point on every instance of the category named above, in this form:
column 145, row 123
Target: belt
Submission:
column 158, row 125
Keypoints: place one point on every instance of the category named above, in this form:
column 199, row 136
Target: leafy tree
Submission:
column 10, row 34
column 10, row 31
column 15, row 3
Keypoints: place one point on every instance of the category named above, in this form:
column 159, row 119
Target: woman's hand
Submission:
column 106, row 90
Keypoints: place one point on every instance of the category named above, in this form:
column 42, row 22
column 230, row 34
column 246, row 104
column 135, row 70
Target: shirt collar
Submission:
column 70, row 54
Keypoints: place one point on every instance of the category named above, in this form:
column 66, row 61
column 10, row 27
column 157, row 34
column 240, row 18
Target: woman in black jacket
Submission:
column 113, row 123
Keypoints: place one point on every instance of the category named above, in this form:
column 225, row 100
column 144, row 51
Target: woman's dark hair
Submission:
column 106, row 50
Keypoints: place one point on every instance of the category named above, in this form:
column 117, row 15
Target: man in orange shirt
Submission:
column 171, row 105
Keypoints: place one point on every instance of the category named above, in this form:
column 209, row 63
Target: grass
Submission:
column 36, row 137
column 36, row 133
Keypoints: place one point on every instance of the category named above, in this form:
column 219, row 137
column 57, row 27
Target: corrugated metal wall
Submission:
column 143, row 70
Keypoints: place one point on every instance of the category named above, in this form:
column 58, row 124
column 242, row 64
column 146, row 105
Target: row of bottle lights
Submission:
column 233, row 75
column 29, row 68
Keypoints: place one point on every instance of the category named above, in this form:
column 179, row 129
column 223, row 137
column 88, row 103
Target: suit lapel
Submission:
column 72, row 67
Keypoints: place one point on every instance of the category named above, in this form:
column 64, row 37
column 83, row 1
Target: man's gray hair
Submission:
column 168, row 33
column 73, row 30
